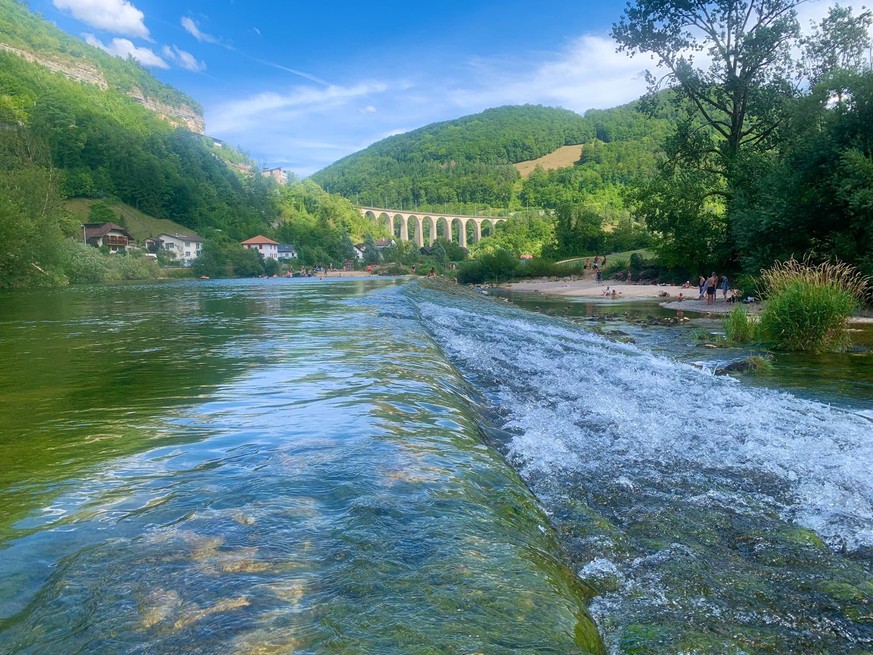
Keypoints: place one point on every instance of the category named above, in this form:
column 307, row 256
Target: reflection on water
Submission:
column 258, row 467
column 324, row 467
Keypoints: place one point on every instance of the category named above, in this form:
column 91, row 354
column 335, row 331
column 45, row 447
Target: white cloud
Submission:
column 589, row 73
column 369, row 109
column 116, row 16
column 183, row 58
column 278, row 108
column 192, row 29
column 124, row 48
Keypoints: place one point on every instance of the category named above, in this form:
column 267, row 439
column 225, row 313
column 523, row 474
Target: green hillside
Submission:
column 141, row 226
column 467, row 160
column 467, row 164
column 28, row 34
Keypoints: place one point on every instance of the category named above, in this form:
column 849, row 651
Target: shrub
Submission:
column 739, row 327
column 808, row 306
column 472, row 272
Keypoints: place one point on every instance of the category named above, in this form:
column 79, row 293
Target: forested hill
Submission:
column 464, row 160
column 466, row 163
column 30, row 37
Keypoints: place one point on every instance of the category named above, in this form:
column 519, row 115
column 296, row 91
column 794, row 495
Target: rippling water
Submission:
column 370, row 467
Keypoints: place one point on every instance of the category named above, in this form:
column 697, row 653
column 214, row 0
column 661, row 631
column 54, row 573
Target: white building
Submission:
column 268, row 248
column 185, row 247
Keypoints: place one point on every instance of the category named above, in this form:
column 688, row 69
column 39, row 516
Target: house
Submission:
column 267, row 247
column 113, row 236
column 287, row 251
column 184, row 247
column 277, row 174
column 384, row 243
column 359, row 251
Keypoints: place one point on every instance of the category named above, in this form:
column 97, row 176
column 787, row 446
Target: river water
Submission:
column 375, row 466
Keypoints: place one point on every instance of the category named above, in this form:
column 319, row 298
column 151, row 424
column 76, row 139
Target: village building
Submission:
column 277, row 174
column 113, row 236
column 287, row 251
column 267, row 247
column 184, row 247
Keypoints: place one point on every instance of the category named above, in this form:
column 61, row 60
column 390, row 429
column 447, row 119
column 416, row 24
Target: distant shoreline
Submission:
column 668, row 294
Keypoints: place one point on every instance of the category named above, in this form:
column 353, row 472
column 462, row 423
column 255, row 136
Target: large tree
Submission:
column 727, row 62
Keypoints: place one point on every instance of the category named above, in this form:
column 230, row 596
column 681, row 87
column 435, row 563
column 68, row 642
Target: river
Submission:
column 377, row 466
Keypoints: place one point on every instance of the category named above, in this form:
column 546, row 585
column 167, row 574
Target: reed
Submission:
column 739, row 327
column 808, row 305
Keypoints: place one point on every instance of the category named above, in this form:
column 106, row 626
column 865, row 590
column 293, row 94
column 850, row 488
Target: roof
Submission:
column 184, row 237
column 259, row 240
column 383, row 243
column 97, row 230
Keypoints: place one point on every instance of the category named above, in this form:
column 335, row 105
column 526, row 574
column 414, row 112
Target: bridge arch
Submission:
column 425, row 228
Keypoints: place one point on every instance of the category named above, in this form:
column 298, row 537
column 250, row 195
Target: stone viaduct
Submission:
column 433, row 221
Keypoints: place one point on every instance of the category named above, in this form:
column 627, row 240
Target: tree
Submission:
column 840, row 42
column 734, row 96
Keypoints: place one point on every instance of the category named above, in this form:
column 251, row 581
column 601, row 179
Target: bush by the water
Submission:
column 496, row 266
column 739, row 327
column 808, row 306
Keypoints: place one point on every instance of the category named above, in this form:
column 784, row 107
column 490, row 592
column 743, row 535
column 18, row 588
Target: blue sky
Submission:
column 301, row 84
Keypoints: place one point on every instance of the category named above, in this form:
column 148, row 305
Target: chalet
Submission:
column 359, row 251
column 113, row 236
column 287, row 251
column 184, row 247
column 267, row 247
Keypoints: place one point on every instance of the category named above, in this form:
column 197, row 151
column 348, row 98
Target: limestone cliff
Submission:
column 88, row 73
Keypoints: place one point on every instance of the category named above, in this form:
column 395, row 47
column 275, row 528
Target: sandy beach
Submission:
column 667, row 294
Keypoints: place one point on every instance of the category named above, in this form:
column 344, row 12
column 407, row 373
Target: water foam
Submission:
column 578, row 404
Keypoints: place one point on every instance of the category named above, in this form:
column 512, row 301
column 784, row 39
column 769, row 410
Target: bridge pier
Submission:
column 432, row 219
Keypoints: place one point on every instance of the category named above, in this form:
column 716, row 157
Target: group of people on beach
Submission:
column 709, row 285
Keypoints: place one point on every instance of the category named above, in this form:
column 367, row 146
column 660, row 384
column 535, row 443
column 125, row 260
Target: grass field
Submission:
column 560, row 158
column 141, row 226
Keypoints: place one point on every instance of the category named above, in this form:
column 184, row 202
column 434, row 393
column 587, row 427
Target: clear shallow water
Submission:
column 259, row 467
column 313, row 466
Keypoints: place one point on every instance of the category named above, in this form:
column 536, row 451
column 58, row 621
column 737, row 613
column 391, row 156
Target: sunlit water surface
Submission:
column 376, row 467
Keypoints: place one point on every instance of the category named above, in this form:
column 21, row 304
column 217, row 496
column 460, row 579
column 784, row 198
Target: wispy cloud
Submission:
column 125, row 48
column 116, row 16
column 587, row 74
column 183, row 59
column 191, row 27
column 277, row 108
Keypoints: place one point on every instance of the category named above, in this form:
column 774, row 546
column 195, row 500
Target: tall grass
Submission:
column 739, row 327
column 808, row 305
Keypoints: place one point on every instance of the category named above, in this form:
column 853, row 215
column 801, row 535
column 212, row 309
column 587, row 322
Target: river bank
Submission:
column 668, row 294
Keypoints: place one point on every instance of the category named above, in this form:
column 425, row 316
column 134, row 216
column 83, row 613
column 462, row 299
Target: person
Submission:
column 603, row 263
column 369, row 268
column 597, row 261
column 606, row 291
column 711, row 284
column 701, row 284
column 587, row 264
column 614, row 294
column 431, row 272
column 598, row 276
column 724, row 287
column 680, row 297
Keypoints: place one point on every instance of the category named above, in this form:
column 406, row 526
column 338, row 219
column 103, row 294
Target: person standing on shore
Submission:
column 725, row 285
column 701, row 285
column 711, row 285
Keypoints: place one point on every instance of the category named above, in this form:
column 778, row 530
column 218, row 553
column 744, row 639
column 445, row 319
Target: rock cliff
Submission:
column 88, row 73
